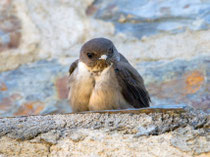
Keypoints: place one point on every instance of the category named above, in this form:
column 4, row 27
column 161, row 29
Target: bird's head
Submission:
column 97, row 50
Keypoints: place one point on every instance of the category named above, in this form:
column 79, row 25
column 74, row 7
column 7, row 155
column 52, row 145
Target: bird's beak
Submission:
column 103, row 57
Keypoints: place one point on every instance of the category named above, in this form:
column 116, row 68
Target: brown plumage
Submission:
column 105, row 84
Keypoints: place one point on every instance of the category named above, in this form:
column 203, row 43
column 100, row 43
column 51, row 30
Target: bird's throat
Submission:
column 99, row 66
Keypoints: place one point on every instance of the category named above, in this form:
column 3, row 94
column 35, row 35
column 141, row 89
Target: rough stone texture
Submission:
column 179, row 81
column 146, row 132
column 37, row 88
column 147, row 17
column 10, row 27
column 167, row 41
column 48, row 29
column 57, row 28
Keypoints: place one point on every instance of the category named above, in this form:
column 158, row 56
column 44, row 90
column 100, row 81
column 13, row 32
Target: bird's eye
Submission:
column 110, row 50
column 90, row 55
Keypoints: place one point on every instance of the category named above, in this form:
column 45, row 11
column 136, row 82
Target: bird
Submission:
column 103, row 79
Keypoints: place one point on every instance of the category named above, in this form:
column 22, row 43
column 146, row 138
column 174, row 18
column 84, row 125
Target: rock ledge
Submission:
column 147, row 132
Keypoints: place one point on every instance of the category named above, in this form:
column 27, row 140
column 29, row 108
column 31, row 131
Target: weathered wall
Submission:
column 150, row 132
column 167, row 41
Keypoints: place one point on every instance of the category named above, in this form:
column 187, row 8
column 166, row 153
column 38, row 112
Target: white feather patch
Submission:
column 103, row 57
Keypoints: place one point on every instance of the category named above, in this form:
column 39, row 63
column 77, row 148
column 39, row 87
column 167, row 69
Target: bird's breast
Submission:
column 81, row 84
column 94, row 89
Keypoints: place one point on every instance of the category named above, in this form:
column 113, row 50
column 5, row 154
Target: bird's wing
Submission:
column 73, row 66
column 132, row 84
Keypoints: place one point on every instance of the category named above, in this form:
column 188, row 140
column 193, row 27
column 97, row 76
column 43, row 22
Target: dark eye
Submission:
column 110, row 50
column 90, row 55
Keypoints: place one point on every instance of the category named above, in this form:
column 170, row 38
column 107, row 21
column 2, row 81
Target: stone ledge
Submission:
column 144, row 132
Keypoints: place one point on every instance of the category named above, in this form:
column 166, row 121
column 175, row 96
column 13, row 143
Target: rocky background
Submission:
column 167, row 41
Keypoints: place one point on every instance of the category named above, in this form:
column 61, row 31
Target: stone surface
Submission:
column 179, row 132
column 37, row 88
column 41, row 87
column 167, row 41
column 56, row 29
column 10, row 27
column 143, row 18
column 179, row 81
column 48, row 29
